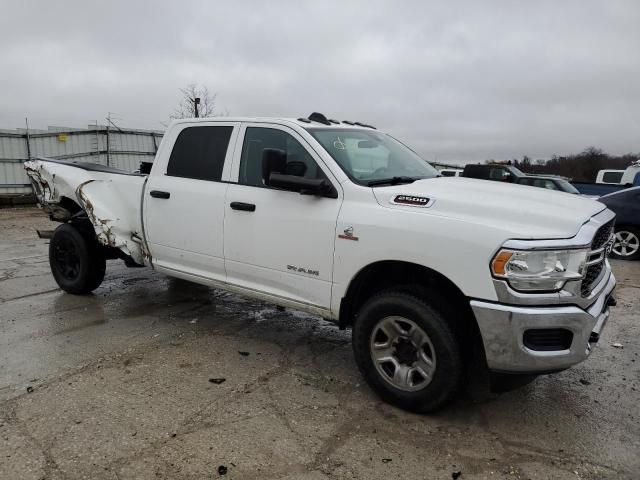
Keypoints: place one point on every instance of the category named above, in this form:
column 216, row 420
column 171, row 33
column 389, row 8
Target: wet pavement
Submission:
column 127, row 383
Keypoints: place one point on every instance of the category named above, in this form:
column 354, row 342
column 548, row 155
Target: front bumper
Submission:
column 503, row 328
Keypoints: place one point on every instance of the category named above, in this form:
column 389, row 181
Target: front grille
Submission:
column 547, row 339
column 602, row 236
column 590, row 278
column 593, row 272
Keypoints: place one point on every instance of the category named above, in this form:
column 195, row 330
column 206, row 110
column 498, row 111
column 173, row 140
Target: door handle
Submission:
column 159, row 194
column 247, row 207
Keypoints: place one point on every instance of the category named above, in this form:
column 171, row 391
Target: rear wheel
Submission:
column 77, row 264
column 626, row 244
column 407, row 351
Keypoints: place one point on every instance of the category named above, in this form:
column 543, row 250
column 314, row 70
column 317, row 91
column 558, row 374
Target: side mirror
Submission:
column 273, row 161
column 304, row 186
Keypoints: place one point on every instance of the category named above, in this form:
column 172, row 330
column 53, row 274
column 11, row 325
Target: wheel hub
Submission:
column 405, row 351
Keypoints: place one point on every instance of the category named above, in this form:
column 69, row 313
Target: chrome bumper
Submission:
column 503, row 326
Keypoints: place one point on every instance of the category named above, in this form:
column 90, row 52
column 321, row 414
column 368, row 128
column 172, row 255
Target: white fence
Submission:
column 119, row 148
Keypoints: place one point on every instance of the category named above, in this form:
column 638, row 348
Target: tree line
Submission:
column 580, row 167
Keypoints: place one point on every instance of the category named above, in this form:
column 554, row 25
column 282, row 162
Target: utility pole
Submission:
column 111, row 123
column 26, row 121
column 108, row 122
column 97, row 143
column 196, row 102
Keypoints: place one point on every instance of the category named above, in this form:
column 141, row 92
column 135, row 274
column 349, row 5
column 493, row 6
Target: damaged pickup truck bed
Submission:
column 107, row 197
column 432, row 274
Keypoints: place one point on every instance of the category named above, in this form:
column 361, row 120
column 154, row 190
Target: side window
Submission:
column 257, row 139
column 199, row 153
column 497, row 174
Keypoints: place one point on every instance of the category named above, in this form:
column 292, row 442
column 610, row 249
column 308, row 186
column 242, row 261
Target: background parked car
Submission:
column 626, row 206
column 609, row 176
column 605, row 181
column 491, row 171
column 450, row 172
column 550, row 183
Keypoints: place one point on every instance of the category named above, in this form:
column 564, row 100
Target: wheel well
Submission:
column 69, row 211
column 442, row 294
column 62, row 211
column 70, row 205
column 389, row 274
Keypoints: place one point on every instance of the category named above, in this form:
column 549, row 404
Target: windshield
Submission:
column 567, row 187
column 517, row 171
column 373, row 158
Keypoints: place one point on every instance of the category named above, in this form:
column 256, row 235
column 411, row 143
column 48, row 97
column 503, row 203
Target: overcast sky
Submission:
column 458, row 81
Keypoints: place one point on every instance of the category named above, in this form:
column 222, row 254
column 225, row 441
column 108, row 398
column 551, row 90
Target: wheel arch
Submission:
column 421, row 280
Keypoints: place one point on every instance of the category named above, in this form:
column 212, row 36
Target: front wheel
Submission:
column 77, row 264
column 407, row 351
column 626, row 244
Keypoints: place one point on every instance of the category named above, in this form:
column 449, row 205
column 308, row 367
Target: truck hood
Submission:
column 524, row 212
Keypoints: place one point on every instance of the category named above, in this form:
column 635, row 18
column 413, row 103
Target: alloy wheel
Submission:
column 402, row 353
column 626, row 243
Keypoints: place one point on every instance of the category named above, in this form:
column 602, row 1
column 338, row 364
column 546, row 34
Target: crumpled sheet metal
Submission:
column 112, row 202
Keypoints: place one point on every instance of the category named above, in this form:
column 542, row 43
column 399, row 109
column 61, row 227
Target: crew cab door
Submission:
column 184, row 202
column 279, row 242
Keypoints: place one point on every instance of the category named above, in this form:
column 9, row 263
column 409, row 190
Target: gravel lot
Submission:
column 118, row 385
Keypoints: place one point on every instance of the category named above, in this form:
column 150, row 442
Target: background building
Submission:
column 117, row 147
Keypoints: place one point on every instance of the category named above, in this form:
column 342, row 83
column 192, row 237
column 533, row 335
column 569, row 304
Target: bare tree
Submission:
column 195, row 102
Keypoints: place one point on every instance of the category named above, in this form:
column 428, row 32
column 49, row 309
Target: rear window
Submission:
column 199, row 153
column 612, row 177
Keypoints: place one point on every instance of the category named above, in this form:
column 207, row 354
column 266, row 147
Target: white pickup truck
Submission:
column 432, row 274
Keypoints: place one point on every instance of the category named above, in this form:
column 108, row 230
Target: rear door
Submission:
column 184, row 200
column 276, row 241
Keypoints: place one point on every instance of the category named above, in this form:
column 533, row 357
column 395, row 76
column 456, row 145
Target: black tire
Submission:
column 446, row 355
column 77, row 264
column 626, row 243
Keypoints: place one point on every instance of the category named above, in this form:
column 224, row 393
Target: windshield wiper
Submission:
column 391, row 181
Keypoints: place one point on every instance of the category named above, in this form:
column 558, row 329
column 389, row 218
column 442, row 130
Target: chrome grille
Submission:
column 596, row 257
column 602, row 236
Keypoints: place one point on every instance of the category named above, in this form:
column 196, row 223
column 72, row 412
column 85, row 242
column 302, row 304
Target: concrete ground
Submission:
column 118, row 385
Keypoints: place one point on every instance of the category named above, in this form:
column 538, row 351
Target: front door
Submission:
column 184, row 201
column 277, row 241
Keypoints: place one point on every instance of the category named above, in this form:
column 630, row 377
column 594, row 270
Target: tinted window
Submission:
column 497, row 174
column 566, row 186
column 256, row 140
column 475, row 171
column 199, row 153
column 612, row 177
column 548, row 184
column 526, row 181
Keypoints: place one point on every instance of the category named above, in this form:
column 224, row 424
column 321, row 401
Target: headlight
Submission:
column 539, row 270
